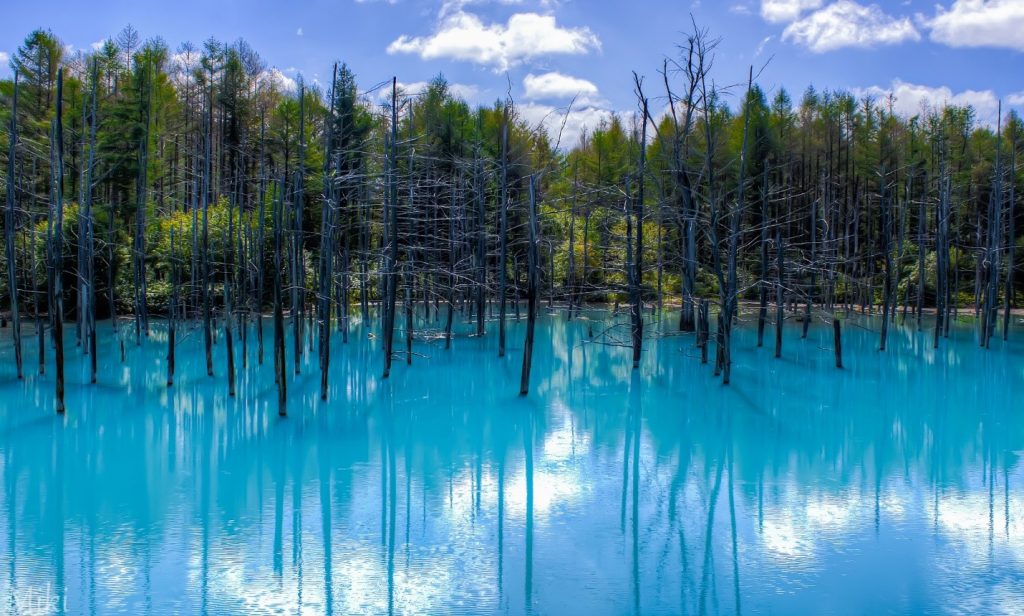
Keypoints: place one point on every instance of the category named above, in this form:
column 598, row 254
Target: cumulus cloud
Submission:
column 1016, row 99
column 783, row 11
column 979, row 23
column 465, row 91
column 464, row 36
column 4, row 57
column 848, row 24
column 576, row 122
column 557, row 85
column 274, row 77
column 910, row 99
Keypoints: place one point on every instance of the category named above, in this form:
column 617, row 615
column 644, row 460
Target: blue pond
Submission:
column 892, row 486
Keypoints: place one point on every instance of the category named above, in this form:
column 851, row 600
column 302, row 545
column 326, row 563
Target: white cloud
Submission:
column 4, row 57
column 557, row 85
column 979, row 23
column 464, row 36
column 98, row 45
column 848, row 24
column 783, row 11
column 298, row 32
column 1016, row 99
column 551, row 118
column 912, row 99
column 761, row 45
column 465, row 91
column 274, row 77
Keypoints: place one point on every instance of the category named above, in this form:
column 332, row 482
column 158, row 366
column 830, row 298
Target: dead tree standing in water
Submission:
column 391, row 223
column 280, row 372
column 12, row 274
column 636, row 277
column 531, row 292
column 57, row 241
column 503, row 233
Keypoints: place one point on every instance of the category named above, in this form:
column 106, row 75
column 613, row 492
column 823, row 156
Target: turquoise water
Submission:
column 892, row 486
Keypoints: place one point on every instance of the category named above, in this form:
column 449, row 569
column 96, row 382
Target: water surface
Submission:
column 892, row 486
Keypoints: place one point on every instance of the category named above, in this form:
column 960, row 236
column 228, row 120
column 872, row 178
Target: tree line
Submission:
column 199, row 187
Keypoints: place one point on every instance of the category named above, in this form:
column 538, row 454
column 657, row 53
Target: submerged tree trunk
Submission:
column 531, row 292
column 837, row 341
column 503, row 234
column 172, row 315
column 57, row 242
column 141, row 317
column 391, row 279
column 887, row 252
column 298, row 278
column 88, row 291
column 780, row 298
column 205, row 252
column 261, row 248
column 280, row 373
column 636, row 291
column 1011, row 236
column 762, row 308
column 9, row 221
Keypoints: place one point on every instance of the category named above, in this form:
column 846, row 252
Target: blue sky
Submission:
column 922, row 51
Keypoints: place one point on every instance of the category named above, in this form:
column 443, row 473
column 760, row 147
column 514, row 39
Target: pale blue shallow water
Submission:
column 893, row 486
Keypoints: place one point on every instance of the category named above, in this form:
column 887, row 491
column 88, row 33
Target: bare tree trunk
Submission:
column 327, row 247
column 57, row 242
column 503, row 233
column 261, row 248
column 762, row 310
column 1011, row 236
column 205, row 204
column 229, row 269
column 280, row 373
column 171, row 315
column 89, row 264
column 837, row 341
column 780, row 297
column 9, row 222
column 298, row 279
column 638, row 211
column 392, row 236
column 531, row 292
column 886, row 249
column 141, row 318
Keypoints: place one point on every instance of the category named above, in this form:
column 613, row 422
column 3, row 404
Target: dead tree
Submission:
column 531, row 291
column 57, row 242
column 280, row 372
column 693, row 68
column 139, row 253
column 503, row 233
column 9, row 222
column 391, row 223
column 636, row 277
column 172, row 315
